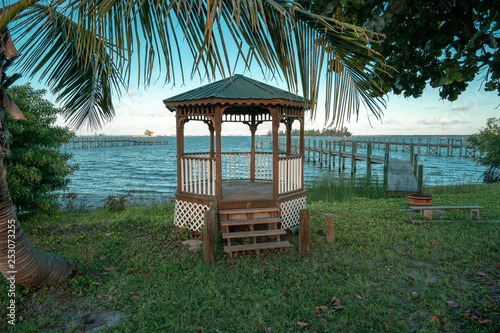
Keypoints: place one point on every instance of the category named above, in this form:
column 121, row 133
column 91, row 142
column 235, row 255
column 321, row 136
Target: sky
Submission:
column 139, row 110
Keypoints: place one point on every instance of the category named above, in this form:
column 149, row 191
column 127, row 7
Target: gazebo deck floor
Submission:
column 243, row 190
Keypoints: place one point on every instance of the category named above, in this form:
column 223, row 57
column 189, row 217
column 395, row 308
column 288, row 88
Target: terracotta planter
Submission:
column 419, row 200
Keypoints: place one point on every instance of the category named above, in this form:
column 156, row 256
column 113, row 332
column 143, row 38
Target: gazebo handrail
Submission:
column 291, row 156
column 197, row 154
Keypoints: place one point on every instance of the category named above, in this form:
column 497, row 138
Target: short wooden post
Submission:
column 209, row 236
column 333, row 153
column 308, row 150
column 213, row 206
column 314, row 152
column 330, row 234
column 420, row 178
column 321, row 153
column 412, row 153
column 354, row 149
column 386, row 167
column 369, row 148
column 415, row 164
column 304, row 233
column 343, row 159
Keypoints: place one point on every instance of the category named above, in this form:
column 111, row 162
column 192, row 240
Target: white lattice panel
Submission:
column 189, row 214
column 290, row 212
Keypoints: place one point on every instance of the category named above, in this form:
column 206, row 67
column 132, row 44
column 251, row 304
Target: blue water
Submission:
column 151, row 170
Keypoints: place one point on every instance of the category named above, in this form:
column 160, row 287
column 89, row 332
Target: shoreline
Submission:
column 93, row 202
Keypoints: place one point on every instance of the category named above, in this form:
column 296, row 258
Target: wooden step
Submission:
column 253, row 233
column 252, row 221
column 248, row 210
column 257, row 246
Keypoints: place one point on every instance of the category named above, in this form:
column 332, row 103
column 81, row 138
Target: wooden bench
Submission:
column 471, row 212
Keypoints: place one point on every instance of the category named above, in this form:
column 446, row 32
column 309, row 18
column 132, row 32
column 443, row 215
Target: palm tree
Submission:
column 86, row 51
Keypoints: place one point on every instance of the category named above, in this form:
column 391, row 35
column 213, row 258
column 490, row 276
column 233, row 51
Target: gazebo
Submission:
column 257, row 194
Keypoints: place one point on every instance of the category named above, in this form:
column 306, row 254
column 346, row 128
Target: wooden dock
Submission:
column 78, row 142
column 442, row 146
column 400, row 176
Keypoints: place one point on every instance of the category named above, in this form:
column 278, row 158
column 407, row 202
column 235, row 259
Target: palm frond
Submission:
column 74, row 62
column 98, row 41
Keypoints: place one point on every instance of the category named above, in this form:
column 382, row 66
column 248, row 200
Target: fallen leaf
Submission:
column 335, row 301
column 410, row 280
column 496, row 265
column 319, row 232
column 453, row 304
column 481, row 274
column 359, row 297
column 436, row 318
column 349, row 216
column 110, row 268
column 488, row 283
column 480, row 240
column 323, row 307
column 338, row 307
column 301, row 324
column 324, row 320
column 198, row 328
column 96, row 283
column 317, row 310
column 485, row 321
column 362, row 248
column 391, row 310
column 433, row 241
column 145, row 274
column 102, row 258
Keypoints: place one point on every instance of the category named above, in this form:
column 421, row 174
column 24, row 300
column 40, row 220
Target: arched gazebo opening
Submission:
column 249, row 187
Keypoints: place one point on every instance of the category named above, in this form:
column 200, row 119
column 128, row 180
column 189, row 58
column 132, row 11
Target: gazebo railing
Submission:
column 236, row 166
column 198, row 174
column 264, row 166
column 198, row 171
column 290, row 173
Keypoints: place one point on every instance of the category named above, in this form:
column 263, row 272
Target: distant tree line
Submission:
column 315, row 132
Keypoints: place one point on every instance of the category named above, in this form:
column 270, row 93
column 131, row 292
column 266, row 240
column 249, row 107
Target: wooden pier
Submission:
column 113, row 141
column 443, row 146
column 400, row 176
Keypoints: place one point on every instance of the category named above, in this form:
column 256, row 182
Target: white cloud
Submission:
column 441, row 121
column 463, row 108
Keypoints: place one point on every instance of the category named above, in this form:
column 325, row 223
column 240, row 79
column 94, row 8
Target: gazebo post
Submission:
column 180, row 149
column 218, row 152
column 276, row 172
column 211, row 128
column 288, row 123
column 253, row 128
column 302, row 148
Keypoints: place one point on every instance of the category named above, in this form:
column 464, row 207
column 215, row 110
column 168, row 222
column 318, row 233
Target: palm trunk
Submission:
column 30, row 268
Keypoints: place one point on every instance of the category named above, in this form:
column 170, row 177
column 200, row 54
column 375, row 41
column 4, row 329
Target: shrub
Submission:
column 37, row 168
column 488, row 143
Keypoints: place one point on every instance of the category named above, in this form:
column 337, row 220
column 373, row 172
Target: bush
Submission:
column 37, row 169
column 488, row 143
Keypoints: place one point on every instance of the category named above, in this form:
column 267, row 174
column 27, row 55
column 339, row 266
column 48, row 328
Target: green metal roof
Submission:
column 236, row 87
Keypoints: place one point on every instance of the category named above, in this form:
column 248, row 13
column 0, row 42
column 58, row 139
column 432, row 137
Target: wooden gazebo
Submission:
column 258, row 194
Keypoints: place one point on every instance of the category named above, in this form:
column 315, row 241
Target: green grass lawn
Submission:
column 389, row 274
